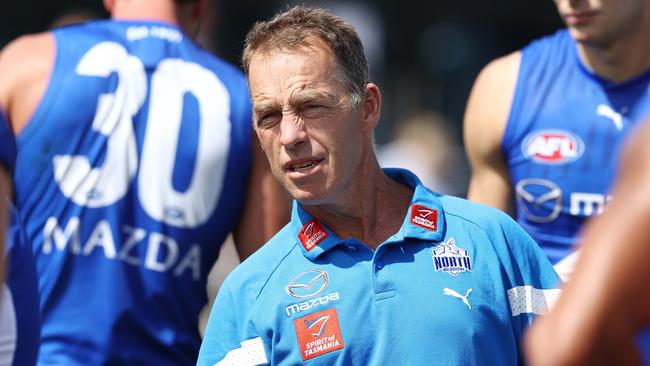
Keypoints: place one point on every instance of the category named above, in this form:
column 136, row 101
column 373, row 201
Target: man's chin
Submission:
column 306, row 197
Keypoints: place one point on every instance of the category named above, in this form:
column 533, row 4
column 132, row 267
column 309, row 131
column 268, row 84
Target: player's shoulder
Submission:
column 559, row 38
column 24, row 57
column 26, row 48
column 508, row 66
column 488, row 106
column 500, row 68
column 228, row 72
column 254, row 273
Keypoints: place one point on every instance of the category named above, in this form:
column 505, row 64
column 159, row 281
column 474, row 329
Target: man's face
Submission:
column 601, row 22
column 310, row 133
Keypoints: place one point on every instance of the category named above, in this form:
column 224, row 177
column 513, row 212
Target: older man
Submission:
column 374, row 268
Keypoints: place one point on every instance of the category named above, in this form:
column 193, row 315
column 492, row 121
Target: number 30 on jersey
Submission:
column 96, row 187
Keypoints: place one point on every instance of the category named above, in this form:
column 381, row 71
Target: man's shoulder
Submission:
column 25, row 48
column 558, row 36
column 23, row 59
column 550, row 44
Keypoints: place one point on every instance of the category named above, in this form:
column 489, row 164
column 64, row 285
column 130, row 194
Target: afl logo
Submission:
column 552, row 147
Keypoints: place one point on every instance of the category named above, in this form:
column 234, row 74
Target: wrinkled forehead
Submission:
column 284, row 66
column 293, row 77
column 310, row 46
column 299, row 43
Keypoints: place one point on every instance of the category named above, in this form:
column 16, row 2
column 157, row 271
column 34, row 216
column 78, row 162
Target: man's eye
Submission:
column 312, row 109
column 268, row 120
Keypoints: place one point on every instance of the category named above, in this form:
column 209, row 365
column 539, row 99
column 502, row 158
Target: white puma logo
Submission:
column 449, row 292
column 607, row 111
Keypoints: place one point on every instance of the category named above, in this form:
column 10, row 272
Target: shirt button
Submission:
column 379, row 265
column 351, row 247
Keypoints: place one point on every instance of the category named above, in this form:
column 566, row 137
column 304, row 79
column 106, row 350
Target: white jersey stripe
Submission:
column 251, row 353
column 527, row 299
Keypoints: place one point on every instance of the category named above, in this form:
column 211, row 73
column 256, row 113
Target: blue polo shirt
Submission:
column 458, row 283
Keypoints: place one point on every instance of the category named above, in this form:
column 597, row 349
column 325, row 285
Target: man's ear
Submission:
column 371, row 107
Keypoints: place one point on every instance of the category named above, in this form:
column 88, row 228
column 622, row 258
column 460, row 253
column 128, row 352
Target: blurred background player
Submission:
column 543, row 125
column 600, row 312
column 136, row 158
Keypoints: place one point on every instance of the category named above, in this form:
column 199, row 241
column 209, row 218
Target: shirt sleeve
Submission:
column 532, row 285
column 7, row 144
column 230, row 336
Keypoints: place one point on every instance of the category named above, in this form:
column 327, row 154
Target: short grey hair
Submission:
column 293, row 28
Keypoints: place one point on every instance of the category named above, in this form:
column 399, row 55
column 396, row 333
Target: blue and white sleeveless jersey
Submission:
column 129, row 176
column 23, row 287
column 563, row 138
column 7, row 144
column 457, row 285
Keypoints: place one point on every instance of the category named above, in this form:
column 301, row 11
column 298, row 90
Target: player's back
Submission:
column 565, row 129
column 129, row 175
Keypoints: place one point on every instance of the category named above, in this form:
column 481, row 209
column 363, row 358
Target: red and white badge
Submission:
column 552, row 147
column 311, row 234
column 424, row 217
column 318, row 333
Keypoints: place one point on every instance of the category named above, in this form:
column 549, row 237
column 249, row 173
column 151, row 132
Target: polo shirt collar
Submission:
column 425, row 219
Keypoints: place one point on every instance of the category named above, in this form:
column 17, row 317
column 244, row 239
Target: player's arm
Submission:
column 485, row 120
column 607, row 301
column 25, row 68
column 267, row 208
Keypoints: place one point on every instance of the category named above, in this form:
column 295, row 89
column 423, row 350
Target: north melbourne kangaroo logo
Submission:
column 449, row 258
column 449, row 292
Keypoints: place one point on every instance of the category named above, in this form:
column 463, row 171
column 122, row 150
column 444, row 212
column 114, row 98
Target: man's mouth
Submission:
column 302, row 165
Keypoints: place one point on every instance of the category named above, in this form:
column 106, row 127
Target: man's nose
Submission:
column 292, row 131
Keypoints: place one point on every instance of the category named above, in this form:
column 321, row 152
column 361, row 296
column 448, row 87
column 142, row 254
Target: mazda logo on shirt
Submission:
column 307, row 284
column 540, row 200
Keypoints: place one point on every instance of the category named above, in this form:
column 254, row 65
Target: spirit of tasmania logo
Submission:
column 311, row 234
column 447, row 257
column 424, row 217
column 318, row 333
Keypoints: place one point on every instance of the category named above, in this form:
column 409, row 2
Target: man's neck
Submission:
column 155, row 10
column 373, row 212
column 622, row 60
